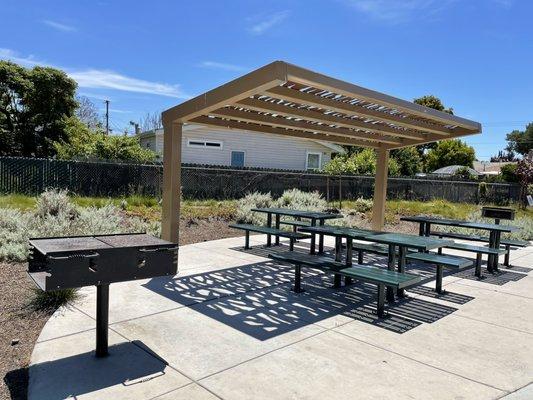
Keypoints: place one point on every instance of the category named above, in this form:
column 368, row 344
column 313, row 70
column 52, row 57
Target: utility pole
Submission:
column 106, row 117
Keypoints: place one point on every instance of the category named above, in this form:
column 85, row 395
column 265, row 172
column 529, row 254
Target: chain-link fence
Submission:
column 32, row 176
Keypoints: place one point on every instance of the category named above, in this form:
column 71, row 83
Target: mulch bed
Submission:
column 20, row 323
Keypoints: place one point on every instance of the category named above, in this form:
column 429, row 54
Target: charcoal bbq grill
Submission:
column 77, row 261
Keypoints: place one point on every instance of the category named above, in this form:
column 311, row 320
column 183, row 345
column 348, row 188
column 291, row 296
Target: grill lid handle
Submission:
column 158, row 249
column 89, row 255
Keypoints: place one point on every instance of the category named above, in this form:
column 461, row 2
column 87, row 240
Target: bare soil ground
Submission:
column 18, row 322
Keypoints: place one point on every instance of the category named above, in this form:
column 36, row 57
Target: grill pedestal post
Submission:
column 102, row 319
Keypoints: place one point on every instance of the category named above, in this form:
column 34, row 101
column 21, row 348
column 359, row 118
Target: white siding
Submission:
column 261, row 150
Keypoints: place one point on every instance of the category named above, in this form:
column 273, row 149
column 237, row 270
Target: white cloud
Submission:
column 102, row 79
column 261, row 26
column 59, row 26
column 28, row 61
column 394, row 11
column 223, row 66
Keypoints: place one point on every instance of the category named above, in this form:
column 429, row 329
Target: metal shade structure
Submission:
column 287, row 100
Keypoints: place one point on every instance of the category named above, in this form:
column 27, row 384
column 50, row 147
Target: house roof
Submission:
column 452, row 169
column 284, row 99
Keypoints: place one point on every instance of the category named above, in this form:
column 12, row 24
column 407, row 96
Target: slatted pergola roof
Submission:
column 287, row 100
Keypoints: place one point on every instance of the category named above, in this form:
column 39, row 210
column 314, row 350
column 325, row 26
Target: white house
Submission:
column 237, row 148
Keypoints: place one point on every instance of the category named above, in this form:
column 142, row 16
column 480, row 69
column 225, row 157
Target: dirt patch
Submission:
column 201, row 230
column 20, row 323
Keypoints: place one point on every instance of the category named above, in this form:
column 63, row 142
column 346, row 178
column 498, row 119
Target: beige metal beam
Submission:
column 224, row 123
column 380, row 189
column 282, row 122
column 171, row 181
column 309, row 78
column 256, row 81
column 285, row 93
column 315, row 116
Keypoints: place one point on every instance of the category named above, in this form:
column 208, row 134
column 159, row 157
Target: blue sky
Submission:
column 476, row 55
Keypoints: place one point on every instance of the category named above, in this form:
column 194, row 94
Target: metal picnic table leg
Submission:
column 490, row 258
column 349, row 256
column 102, row 319
column 422, row 229
column 321, row 238
column 313, row 237
column 269, row 224
column 496, row 257
column 401, row 266
column 390, row 265
column 277, row 227
column 338, row 249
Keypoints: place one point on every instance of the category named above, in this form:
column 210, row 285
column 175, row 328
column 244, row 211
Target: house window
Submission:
column 237, row 158
column 313, row 161
column 210, row 144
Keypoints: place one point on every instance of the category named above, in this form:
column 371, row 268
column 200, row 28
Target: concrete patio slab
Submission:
column 493, row 355
column 232, row 328
column 333, row 366
column 202, row 345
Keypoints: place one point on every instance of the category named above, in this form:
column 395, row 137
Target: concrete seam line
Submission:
column 420, row 362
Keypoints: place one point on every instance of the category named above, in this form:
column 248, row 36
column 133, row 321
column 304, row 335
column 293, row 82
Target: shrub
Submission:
column 363, row 205
column 362, row 162
column 509, row 173
column 298, row 200
column 293, row 198
column 244, row 212
column 56, row 215
column 54, row 202
column 51, row 301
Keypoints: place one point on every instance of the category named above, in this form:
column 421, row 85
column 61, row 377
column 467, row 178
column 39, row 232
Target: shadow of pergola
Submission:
column 257, row 299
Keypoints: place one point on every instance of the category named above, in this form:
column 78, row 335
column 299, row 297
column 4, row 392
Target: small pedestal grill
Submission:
column 73, row 262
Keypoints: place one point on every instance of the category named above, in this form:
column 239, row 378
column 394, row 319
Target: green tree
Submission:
column 520, row 142
column 33, row 105
column 435, row 103
column 408, row 159
column 83, row 143
column 450, row 152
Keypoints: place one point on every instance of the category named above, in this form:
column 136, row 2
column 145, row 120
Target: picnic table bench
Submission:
column 441, row 262
column 506, row 243
column 495, row 231
column 378, row 276
column 269, row 231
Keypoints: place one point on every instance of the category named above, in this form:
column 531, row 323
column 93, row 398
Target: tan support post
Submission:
column 380, row 189
column 171, row 181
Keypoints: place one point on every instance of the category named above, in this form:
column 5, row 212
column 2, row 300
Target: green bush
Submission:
column 408, row 159
column 362, row 162
column 509, row 173
column 51, row 301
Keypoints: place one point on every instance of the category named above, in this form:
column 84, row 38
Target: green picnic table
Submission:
column 404, row 242
column 313, row 216
column 340, row 232
column 495, row 231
